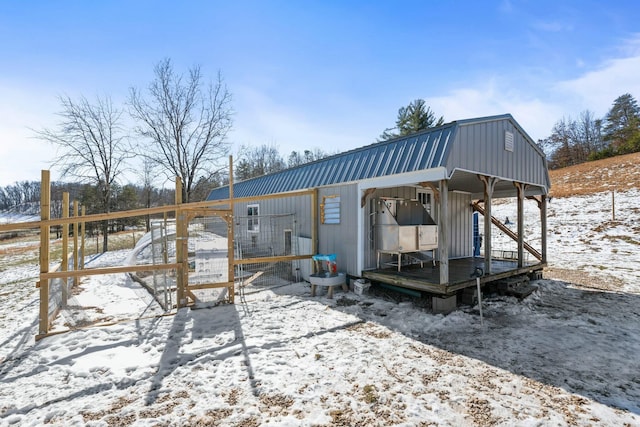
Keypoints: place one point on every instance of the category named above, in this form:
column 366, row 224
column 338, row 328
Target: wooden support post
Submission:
column 520, row 189
column 543, row 226
column 82, row 239
column 45, row 214
column 443, row 232
column 489, row 185
column 64, row 264
column 76, row 230
column 314, row 225
column 231, row 238
column 182, row 259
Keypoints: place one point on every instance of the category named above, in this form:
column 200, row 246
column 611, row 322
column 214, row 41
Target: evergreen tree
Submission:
column 415, row 117
column 622, row 125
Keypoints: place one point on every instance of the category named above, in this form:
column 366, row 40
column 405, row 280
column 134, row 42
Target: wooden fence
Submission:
column 184, row 212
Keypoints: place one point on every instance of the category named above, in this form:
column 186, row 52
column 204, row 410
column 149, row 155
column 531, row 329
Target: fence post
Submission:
column 76, row 230
column 82, row 232
column 45, row 214
column 64, row 264
column 231, row 239
column 613, row 205
column 181, row 258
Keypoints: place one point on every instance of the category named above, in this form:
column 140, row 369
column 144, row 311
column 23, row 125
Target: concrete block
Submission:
column 470, row 296
column 443, row 305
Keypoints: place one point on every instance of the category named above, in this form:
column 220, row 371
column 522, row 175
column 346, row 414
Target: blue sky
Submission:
column 317, row 74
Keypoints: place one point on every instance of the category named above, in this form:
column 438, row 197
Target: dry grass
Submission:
column 613, row 174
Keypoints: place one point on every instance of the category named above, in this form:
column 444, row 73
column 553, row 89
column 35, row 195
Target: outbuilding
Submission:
column 401, row 211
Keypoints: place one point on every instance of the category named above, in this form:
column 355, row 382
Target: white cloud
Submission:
column 492, row 98
column 596, row 90
column 537, row 103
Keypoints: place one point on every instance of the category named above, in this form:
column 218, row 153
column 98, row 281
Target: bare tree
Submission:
column 258, row 161
column 299, row 158
column 92, row 146
column 186, row 124
column 147, row 174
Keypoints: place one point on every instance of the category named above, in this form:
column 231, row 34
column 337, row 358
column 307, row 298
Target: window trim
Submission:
column 253, row 220
column 331, row 210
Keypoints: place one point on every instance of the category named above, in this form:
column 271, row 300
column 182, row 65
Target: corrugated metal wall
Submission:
column 523, row 164
column 341, row 239
column 460, row 225
column 299, row 205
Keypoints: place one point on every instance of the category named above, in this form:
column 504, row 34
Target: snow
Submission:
column 566, row 355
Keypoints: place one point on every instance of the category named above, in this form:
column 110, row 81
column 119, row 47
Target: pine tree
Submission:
column 622, row 125
column 415, row 117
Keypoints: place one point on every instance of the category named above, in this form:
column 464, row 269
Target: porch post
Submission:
column 443, row 232
column 543, row 223
column 489, row 184
column 520, row 187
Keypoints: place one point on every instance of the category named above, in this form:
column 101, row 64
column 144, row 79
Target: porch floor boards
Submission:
column 427, row 278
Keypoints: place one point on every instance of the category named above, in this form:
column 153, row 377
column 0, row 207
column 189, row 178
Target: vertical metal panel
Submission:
column 341, row 239
column 479, row 146
column 460, row 225
column 298, row 205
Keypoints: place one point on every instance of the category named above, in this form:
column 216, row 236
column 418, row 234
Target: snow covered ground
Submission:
column 566, row 355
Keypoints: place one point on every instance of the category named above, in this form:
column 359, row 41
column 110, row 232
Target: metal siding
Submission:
column 298, row 205
column 492, row 159
column 368, row 235
column 479, row 147
column 342, row 238
column 460, row 225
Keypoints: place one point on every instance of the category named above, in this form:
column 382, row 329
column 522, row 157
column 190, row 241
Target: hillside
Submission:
column 616, row 173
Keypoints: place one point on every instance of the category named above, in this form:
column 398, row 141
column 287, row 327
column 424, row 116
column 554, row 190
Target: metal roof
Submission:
column 420, row 151
column 423, row 150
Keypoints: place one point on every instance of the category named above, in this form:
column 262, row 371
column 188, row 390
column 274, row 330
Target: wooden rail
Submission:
column 183, row 212
column 507, row 231
column 109, row 270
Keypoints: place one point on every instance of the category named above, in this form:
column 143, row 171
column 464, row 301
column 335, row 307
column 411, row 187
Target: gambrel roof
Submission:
column 492, row 146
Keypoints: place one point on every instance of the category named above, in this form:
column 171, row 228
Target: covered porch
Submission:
column 426, row 277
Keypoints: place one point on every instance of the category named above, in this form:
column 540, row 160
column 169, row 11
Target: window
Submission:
column 253, row 220
column 330, row 210
column 424, row 197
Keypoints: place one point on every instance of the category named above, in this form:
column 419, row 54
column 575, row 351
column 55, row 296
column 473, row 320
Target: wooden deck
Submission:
column 427, row 277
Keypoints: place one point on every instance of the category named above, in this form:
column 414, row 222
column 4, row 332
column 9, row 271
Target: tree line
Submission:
column 24, row 198
column 587, row 137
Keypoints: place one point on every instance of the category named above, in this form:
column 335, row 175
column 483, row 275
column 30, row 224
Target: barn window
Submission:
column 424, row 197
column 253, row 221
column 330, row 210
